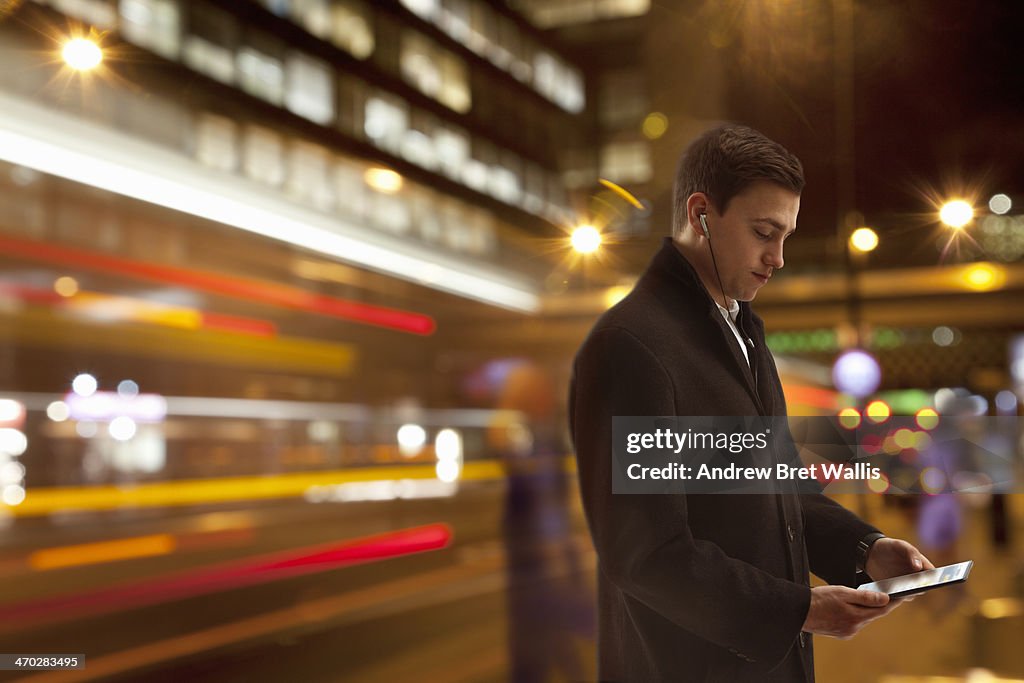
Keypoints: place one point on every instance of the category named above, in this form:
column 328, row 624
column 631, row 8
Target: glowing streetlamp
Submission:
column 81, row 54
column 863, row 240
column 586, row 239
column 956, row 213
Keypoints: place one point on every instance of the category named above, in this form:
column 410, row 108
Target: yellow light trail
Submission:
column 622, row 192
column 47, row 500
column 104, row 551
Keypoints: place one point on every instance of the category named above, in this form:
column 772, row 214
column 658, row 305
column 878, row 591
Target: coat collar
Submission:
column 671, row 268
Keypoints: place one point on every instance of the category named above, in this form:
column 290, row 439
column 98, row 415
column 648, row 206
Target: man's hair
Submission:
column 724, row 161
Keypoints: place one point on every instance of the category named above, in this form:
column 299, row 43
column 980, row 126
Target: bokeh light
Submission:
column 878, row 411
column 58, row 411
column 1000, row 204
column 586, row 239
column 849, row 418
column 956, row 213
column 84, row 384
column 927, row 418
column 411, row 439
column 864, row 240
column 82, row 54
column 655, row 124
column 66, row 286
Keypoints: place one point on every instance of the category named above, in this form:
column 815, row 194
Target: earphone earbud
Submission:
column 704, row 224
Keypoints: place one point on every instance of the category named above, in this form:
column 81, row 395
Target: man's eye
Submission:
column 762, row 235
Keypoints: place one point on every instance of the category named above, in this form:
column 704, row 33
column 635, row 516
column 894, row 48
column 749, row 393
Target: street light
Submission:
column 81, row 54
column 956, row 213
column 863, row 240
column 585, row 239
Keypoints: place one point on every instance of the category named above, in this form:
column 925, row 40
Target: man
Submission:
column 713, row 587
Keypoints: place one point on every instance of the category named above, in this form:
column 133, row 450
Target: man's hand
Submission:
column 840, row 612
column 889, row 557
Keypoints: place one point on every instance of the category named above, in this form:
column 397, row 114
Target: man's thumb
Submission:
column 873, row 598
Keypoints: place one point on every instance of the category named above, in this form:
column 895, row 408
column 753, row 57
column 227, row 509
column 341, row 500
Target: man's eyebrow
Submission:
column 774, row 223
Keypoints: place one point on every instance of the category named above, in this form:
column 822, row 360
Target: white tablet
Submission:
column 918, row 582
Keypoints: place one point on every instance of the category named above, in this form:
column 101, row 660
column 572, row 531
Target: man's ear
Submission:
column 696, row 205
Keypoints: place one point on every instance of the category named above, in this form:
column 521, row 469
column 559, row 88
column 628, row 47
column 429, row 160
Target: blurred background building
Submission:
column 269, row 270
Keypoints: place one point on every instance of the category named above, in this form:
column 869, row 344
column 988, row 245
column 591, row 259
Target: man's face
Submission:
column 748, row 238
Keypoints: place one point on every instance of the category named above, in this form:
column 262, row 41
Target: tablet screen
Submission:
column 921, row 581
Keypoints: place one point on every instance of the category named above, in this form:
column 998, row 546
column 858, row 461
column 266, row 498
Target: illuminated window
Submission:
column 162, row 121
column 479, row 238
column 313, row 15
column 386, row 121
column 418, row 141
column 426, row 216
column 278, row 7
column 153, row 24
column 425, row 9
column 211, row 42
column 263, row 155
column 212, row 60
column 452, row 149
column 216, row 142
column 391, row 212
column 308, row 180
column 310, row 90
column 545, row 75
column 626, row 162
column 482, row 29
column 352, row 28
column 533, row 194
column 505, row 182
column 454, row 91
column 349, row 183
column 260, row 71
column 419, row 64
column 454, row 19
column 98, row 13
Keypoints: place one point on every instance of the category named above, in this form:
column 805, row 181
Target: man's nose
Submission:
column 773, row 257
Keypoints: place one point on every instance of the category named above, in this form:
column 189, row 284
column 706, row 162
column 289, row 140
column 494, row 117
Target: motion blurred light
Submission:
column 864, row 240
column 12, row 441
column 447, row 470
column 383, row 180
column 983, row 277
column 411, row 438
column 586, row 239
column 448, row 445
column 11, row 412
column 1000, row 204
column 956, row 213
column 13, row 494
column 81, row 54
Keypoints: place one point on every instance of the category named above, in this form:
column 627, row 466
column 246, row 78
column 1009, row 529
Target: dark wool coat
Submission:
column 711, row 587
